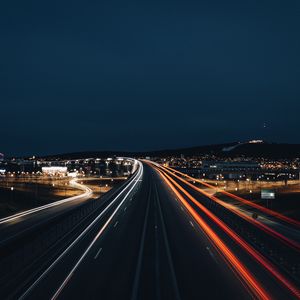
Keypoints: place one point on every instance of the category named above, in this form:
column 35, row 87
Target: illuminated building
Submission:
column 54, row 170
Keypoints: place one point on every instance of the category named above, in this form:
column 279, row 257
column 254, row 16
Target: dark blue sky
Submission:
column 97, row 75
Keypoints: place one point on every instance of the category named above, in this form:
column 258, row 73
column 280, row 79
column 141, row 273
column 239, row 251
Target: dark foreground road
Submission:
column 150, row 251
column 148, row 245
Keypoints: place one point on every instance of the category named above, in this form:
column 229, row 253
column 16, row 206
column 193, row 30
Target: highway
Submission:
column 157, row 237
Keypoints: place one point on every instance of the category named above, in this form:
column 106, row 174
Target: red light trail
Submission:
column 231, row 207
column 245, row 201
column 238, row 266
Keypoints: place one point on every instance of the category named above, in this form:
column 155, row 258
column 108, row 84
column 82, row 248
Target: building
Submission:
column 55, row 171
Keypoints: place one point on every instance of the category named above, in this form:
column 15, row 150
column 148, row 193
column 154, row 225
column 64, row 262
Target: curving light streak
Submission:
column 243, row 200
column 249, row 249
column 233, row 209
column 87, row 193
column 238, row 266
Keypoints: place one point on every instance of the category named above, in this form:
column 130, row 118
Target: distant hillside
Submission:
column 270, row 150
column 249, row 149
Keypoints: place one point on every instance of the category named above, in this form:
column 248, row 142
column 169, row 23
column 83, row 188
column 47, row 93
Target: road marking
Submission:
column 116, row 224
column 97, row 254
column 192, row 224
column 181, row 208
column 211, row 254
column 167, row 247
column 134, row 295
column 125, row 208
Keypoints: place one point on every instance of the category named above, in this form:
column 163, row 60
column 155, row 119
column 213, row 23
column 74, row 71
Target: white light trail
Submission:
column 133, row 183
column 87, row 193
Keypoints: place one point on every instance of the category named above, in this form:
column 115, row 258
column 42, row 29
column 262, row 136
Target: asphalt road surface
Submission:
column 148, row 240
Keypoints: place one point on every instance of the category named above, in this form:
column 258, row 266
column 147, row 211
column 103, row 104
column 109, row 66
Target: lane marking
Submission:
column 192, row 224
column 116, row 224
column 211, row 254
column 167, row 246
column 125, row 208
column 135, row 288
column 97, row 254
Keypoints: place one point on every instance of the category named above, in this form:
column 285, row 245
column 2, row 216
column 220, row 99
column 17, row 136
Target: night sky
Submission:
column 144, row 75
